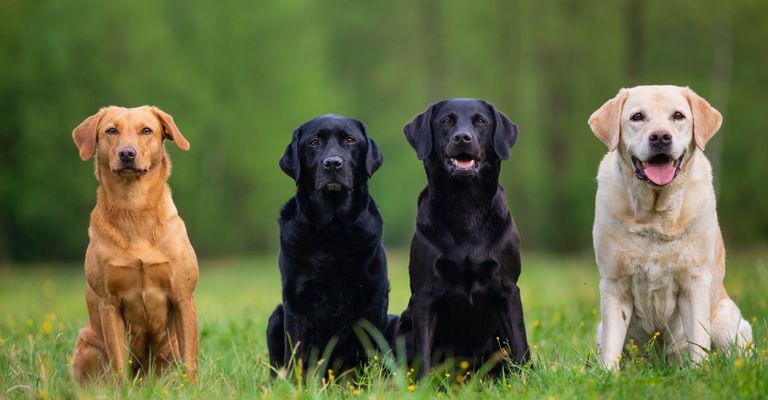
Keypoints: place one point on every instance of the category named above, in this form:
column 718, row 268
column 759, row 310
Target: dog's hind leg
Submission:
column 276, row 336
column 90, row 358
column 729, row 327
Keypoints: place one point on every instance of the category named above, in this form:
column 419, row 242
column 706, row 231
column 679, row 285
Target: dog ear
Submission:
column 505, row 135
column 373, row 157
column 85, row 135
column 418, row 132
column 606, row 121
column 289, row 162
column 706, row 119
column 170, row 130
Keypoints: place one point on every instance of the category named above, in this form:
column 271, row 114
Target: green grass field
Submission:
column 42, row 307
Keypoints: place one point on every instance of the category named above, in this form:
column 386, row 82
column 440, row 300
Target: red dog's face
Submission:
column 129, row 140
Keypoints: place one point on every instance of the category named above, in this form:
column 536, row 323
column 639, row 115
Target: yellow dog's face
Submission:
column 129, row 140
column 656, row 128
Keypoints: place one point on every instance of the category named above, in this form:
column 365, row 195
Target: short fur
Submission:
column 659, row 248
column 465, row 254
column 140, row 268
column 332, row 260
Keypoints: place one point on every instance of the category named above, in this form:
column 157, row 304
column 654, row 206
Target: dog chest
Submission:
column 654, row 290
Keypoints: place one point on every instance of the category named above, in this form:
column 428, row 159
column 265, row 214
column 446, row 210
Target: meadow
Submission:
column 42, row 307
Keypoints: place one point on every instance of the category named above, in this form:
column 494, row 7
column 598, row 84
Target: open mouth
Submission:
column 463, row 163
column 658, row 170
column 129, row 171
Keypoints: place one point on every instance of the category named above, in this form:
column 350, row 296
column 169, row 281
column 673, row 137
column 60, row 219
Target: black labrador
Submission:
column 332, row 261
column 465, row 254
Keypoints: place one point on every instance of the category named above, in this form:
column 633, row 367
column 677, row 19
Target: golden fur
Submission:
column 140, row 268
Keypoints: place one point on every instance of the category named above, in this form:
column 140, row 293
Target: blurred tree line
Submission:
column 239, row 76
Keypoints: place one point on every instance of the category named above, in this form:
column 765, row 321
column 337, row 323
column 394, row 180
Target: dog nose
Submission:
column 127, row 153
column 660, row 138
column 460, row 137
column 333, row 163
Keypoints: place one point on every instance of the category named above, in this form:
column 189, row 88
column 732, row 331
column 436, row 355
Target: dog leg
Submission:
column 293, row 340
column 694, row 302
column 113, row 331
column 513, row 327
column 187, row 330
column 89, row 358
column 729, row 327
column 423, row 334
column 276, row 337
column 616, row 312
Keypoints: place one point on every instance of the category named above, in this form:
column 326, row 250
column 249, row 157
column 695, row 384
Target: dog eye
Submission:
column 637, row 117
column 677, row 116
column 349, row 140
column 480, row 121
column 111, row 131
column 314, row 142
column 146, row 131
column 447, row 121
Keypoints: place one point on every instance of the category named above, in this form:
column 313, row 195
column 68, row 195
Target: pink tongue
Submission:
column 660, row 174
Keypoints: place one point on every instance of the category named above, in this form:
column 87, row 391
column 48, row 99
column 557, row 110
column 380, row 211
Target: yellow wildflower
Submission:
column 411, row 388
column 331, row 376
column 738, row 363
column 537, row 324
column 43, row 395
column 620, row 356
column 464, row 364
column 2, row 341
column 47, row 327
column 551, row 398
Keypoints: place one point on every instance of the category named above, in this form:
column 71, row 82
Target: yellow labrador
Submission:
column 140, row 268
column 657, row 240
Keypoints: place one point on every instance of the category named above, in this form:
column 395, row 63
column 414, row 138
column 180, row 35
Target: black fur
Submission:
column 465, row 255
column 332, row 261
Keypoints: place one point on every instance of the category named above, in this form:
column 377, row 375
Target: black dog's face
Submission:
column 461, row 135
column 330, row 154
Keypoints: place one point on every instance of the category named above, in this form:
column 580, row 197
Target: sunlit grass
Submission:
column 43, row 306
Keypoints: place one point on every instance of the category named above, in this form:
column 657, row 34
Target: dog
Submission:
column 657, row 241
column 332, row 261
column 140, row 267
column 465, row 253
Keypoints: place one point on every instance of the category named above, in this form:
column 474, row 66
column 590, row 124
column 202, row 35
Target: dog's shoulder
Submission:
column 289, row 210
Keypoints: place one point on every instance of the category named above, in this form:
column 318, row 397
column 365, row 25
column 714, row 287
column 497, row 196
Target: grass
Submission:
column 42, row 307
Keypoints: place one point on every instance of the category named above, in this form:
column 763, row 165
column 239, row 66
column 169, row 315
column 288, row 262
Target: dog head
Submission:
column 331, row 154
column 656, row 129
column 460, row 136
column 127, row 141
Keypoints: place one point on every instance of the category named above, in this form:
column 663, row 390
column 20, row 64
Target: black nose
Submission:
column 127, row 154
column 333, row 163
column 462, row 137
column 659, row 138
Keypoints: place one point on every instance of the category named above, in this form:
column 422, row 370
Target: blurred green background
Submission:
column 239, row 76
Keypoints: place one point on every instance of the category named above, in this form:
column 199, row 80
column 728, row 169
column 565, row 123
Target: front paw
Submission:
column 697, row 353
column 611, row 362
